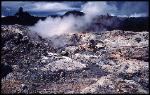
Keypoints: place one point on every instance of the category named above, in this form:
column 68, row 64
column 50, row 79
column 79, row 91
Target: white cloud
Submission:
column 44, row 6
column 131, row 8
column 39, row 6
column 138, row 15
column 97, row 7
column 12, row 3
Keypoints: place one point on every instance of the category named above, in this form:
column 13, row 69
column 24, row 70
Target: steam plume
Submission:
column 58, row 26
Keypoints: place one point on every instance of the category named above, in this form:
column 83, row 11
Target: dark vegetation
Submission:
column 135, row 24
column 74, row 12
column 22, row 18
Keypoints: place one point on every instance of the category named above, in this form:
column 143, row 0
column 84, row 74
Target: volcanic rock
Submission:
column 105, row 62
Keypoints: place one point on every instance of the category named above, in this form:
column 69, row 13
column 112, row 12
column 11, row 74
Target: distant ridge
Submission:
column 75, row 13
column 127, row 23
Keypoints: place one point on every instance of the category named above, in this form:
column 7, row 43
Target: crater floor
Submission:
column 85, row 62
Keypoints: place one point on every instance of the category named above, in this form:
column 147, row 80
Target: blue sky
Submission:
column 127, row 8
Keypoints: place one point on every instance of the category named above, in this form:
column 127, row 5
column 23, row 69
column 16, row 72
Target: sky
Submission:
column 122, row 8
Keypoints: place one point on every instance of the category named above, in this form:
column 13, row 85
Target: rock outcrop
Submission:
column 110, row 62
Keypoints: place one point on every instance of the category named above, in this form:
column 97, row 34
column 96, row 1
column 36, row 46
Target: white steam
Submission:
column 92, row 9
column 58, row 26
column 53, row 26
column 2, row 16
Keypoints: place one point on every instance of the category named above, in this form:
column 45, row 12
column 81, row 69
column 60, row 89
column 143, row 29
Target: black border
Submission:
column 75, row 1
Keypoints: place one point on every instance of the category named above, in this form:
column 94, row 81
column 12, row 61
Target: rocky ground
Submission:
column 86, row 62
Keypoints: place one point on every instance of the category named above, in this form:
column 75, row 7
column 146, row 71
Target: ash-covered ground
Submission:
column 84, row 62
